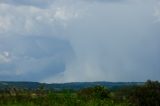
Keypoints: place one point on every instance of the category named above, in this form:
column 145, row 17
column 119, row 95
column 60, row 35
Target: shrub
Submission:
column 98, row 92
column 146, row 95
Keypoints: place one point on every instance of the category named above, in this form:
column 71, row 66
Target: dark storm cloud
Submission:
column 45, row 3
column 111, row 1
column 79, row 40
column 34, row 56
column 38, row 3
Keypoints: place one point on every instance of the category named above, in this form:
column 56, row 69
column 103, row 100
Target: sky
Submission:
column 79, row 40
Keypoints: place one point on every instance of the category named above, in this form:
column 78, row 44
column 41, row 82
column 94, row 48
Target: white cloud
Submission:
column 5, row 24
column 5, row 57
column 29, row 20
column 157, row 12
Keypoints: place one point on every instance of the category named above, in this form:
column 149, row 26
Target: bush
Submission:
column 98, row 92
column 146, row 95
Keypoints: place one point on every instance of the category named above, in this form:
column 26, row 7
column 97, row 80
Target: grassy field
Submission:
column 146, row 95
column 57, row 100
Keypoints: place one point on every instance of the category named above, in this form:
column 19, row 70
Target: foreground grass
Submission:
column 56, row 99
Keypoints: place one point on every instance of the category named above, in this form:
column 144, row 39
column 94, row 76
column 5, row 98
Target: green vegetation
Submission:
column 139, row 95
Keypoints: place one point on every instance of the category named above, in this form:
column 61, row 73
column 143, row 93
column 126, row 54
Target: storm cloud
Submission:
column 79, row 40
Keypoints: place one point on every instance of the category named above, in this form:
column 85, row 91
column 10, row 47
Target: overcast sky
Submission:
column 79, row 40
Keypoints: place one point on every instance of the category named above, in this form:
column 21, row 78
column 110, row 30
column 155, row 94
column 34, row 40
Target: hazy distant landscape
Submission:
column 61, row 86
